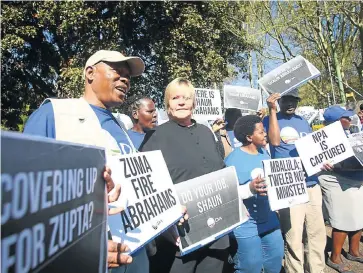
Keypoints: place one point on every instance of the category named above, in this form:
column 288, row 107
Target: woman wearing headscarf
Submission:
column 259, row 240
column 189, row 150
column 342, row 188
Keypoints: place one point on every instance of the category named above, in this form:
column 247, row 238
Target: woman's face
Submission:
column 181, row 103
column 146, row 115
column 259, row 135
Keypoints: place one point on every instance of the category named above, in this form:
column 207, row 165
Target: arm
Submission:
column 245, row 191
column 256, row 186
column 273, row 128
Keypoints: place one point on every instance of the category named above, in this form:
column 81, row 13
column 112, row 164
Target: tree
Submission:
column 46, row 44
column 318, row 30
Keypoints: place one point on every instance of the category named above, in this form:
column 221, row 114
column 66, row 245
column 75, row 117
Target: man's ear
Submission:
column 249, row 138
column 90, row 72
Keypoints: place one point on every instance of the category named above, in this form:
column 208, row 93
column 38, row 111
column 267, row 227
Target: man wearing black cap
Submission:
column 88, row 120
column 305, row 218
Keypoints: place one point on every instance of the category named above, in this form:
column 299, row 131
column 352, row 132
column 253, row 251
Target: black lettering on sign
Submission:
column 319, row 136
column 136, row 165
column 141, row 212
column 323, row 145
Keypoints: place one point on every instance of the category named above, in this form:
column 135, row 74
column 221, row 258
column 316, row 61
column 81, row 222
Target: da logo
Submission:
column 157, row 224
column 212, row 222
column 289, row 135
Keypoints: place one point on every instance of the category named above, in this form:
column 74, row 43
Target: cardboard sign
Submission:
column 356, row 141
column 286, row 185
column 327, row 145
column 148, row 196
column 308, row 113
column 53, row 206
column 214, row 208
column 208, row 104
column 241, row 97
column 289, row 76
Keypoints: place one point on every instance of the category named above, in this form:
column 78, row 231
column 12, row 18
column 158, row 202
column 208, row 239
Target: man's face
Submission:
column 146, row 115
column 345, row 121
column 288, row 104
column 111, row 82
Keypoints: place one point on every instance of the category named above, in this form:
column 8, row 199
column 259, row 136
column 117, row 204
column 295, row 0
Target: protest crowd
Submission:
column 281, row 182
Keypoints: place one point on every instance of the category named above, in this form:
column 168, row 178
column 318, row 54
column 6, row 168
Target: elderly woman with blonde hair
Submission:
column 189, row 150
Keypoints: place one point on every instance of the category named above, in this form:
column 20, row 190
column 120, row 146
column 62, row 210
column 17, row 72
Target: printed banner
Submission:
column 286, row 185
column 208, row 104
column 289, row 76
column 214, row 208
column 148, row 196
column 241, row 97
column 53, row 207
column 356, row 141
column 327, row 145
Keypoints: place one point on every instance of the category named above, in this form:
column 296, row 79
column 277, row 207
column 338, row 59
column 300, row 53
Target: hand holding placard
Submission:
column 257, row 185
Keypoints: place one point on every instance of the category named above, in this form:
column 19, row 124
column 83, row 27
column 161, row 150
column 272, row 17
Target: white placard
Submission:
column 207, row 104
column 241, row 97
column 148, row 196
column 327, row 145
column 285, row 180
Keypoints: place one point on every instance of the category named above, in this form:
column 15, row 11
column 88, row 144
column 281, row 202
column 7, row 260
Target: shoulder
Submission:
column 301, row 120
column 265, row 154
column 43, row 113
column 41, row 122
column 230, row 159
column 151, row 140
column 202, row 127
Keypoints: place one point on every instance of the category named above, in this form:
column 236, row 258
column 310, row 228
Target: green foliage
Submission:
column 46, row 44
column 327, row 33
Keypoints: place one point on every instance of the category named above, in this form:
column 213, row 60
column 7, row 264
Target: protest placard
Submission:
column 307, row 112
column 53, row 207
column 207, row 104
column 285, row 180
column 289, row 76
column 356, row 141
column 327, row 145
column 148, row 196
column 214, row 208
column 241, row 97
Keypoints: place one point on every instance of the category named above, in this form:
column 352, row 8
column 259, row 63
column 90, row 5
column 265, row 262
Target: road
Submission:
column 355, row 266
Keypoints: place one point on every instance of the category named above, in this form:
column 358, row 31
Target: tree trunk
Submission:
column 335, row 58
